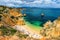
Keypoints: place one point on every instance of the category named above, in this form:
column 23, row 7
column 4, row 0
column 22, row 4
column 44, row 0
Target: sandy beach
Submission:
column 27, row 30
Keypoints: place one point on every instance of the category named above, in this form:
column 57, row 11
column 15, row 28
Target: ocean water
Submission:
column 34, row 16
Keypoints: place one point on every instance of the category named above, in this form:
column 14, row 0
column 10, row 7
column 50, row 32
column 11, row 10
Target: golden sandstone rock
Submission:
column 43, row 38
column 51, row 29
column 1, row 24
column 19, row 16
column 20, row 22
column 0, row 32
column 13, row 13
column 13, row 21
column 47, row 24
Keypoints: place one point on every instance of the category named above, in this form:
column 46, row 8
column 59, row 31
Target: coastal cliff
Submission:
column 11, row 17
column 51, row 30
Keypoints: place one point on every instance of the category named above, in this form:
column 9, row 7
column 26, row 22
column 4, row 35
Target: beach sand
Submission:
column 27, row 30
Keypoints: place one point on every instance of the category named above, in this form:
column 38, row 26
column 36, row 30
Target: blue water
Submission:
column 34, row 14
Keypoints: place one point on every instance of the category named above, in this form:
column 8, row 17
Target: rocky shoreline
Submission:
column 9, row 17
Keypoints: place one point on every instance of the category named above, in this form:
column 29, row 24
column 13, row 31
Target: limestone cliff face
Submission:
column 11, row 16
column 51, row 29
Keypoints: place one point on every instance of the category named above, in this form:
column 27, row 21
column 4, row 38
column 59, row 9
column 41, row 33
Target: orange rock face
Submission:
column 20, row 22
column 15, row 13
column 43, row 38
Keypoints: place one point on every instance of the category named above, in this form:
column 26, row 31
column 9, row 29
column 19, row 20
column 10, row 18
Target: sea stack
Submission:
column 42, row 15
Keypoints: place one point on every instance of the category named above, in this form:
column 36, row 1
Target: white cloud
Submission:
column 47, row 1
column 40, row 3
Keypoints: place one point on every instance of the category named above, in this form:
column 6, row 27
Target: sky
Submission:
column 31, row 3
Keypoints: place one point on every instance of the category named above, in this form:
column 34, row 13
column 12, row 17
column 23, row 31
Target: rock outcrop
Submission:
column 51, row 30
column 11, row 16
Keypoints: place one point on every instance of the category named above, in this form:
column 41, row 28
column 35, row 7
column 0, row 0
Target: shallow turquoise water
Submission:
column 33, row 26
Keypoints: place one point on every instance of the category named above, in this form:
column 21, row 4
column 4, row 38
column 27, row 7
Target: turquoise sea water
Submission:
column 36, row 20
